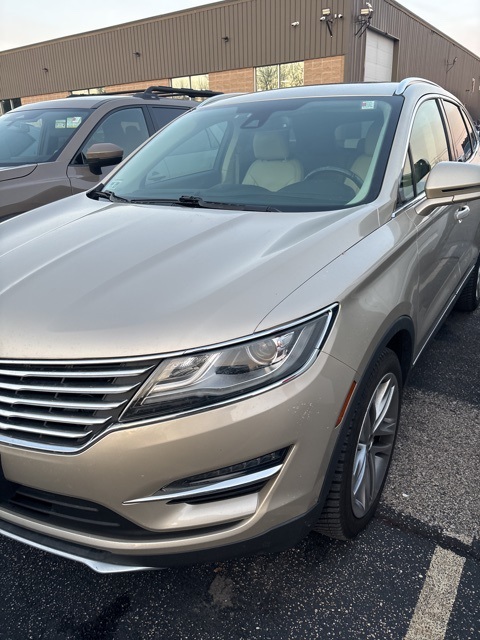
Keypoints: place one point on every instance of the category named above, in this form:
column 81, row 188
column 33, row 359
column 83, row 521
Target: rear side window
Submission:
column 428, row 144
column 461, row 141
column 163, row 115
column 471, row 132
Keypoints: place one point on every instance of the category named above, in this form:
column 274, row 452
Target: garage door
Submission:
column 378, row 58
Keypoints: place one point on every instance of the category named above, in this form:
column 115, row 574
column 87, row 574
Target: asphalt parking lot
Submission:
column 414, row 574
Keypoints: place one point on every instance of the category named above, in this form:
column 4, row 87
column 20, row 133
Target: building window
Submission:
column 93, row 92
column 199, row 82
column 9, row 104
column 277, row 76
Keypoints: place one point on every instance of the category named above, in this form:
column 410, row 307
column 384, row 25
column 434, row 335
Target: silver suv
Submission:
column 52, row 149
column 204, row 355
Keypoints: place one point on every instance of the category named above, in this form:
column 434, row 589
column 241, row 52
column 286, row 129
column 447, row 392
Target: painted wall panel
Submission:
column 259, row 32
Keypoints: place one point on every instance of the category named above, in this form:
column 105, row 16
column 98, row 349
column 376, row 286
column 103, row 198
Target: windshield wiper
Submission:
column 100, row 194
column 196, row 201
column 200, row 203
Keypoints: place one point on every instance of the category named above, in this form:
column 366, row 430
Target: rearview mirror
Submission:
column 450, row 183
column 103, row 154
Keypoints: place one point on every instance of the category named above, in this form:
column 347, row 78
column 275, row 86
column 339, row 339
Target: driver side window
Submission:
column 428, row 146
column 126, row 128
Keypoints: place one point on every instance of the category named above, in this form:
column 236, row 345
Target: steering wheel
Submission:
column 346, row 173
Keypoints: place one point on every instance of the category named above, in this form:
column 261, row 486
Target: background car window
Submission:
column 126, row 128
column 163, row 115
column 462, row 144
column 37, row 135
column 428, row 143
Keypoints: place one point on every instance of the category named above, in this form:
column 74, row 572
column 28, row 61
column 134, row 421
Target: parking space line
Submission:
column 437, row 597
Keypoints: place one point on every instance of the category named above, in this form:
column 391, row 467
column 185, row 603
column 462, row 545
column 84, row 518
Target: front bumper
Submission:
column 134, row 462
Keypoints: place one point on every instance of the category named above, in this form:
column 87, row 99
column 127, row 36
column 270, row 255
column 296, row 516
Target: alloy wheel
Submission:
column 375, row 444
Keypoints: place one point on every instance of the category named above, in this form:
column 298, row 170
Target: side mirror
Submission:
column 103, row 154
column 449, row 183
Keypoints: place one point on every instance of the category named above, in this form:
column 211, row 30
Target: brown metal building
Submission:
column 246, row 45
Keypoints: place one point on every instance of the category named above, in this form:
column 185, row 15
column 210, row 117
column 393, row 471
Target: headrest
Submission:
column 271, row 145
column 347, row 135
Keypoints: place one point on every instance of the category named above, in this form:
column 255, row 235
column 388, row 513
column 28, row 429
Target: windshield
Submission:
column 37, row 135
column 303, row 154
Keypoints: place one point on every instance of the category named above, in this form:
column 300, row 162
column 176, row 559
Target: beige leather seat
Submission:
column 362, row 163
column 273, row 168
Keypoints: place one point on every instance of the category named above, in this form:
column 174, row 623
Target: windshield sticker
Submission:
column 368, row 104
column 60, row 124
column 74, row 122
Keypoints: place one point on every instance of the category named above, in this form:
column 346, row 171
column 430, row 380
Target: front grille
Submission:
column 65, row 405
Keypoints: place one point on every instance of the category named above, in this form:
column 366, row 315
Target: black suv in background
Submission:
column 53, row 149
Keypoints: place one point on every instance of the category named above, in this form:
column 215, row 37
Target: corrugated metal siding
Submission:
column 186, row 43
column 421, row 51
column 260, row 33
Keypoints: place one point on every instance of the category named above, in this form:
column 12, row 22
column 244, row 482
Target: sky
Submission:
column 22, row 23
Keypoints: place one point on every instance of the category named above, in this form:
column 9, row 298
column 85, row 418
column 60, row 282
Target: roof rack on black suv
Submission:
column 159, row 91
column 156, row 92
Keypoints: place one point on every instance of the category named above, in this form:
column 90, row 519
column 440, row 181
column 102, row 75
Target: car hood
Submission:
column 10, row 173
column 85, row 279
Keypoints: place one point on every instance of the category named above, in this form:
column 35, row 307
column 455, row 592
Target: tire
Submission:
column 469, row 299
column 366, row 453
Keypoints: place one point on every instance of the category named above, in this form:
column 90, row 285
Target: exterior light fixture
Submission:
column 451, row 64
column 137, row 54
column 329, row 19
column 226, row 39
column 364, row 19
column 45, row 69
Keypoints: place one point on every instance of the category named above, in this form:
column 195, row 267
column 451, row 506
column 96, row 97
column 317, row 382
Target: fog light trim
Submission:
column 211, row 489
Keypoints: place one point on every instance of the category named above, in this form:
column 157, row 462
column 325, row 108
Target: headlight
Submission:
column 200, row 379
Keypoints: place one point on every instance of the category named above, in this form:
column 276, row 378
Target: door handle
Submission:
column 462, row 213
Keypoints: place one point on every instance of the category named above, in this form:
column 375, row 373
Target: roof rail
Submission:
column 409, row 81
column 126, row 92
column 157, row 92
column 153, row 92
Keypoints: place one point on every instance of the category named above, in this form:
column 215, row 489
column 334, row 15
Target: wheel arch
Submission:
column 400, row 339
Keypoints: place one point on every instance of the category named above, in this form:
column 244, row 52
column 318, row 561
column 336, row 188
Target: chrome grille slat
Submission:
column 52, row 417
column 64, row 406
column 70, row 373
column 46, row 432
column 64, row 389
